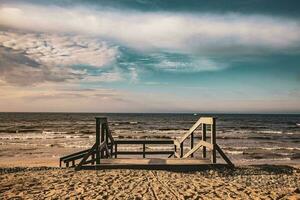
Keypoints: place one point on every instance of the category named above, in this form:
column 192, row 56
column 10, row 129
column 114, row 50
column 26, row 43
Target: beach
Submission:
column 266, row 157
column 247, row 182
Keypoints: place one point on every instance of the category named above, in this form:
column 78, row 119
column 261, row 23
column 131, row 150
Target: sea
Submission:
column 245, row 138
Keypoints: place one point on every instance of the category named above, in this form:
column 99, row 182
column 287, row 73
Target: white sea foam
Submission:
column 234, row 152
column 270, row 132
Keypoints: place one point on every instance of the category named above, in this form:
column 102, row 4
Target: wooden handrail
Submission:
column 202, row 120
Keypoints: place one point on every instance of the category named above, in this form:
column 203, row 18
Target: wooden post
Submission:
column 213, row 141
column 192, row 143
column 204, row 139
column 144, row 150
column 93, row 157
column 181, row 150
column 116, row 150
column 102, row 136
column 175, row 150
column 97, row 140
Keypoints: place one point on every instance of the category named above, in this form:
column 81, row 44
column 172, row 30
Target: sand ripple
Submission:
column 243, row 183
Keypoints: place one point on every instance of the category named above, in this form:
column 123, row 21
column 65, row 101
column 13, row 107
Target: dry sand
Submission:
column 255, row 182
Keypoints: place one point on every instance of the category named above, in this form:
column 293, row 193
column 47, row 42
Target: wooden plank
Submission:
column 74, row 154
column 227, row 160
column 141, row 152
column 116, row 150
column 108, row 131
column 204, row 139
column 207, row 120
column 181, row 150
column 97, row 140
column 193, row 150
column 192, row 143
column 192, row 129
column 102, row 137
column 202, row 120
column 75, row 157
column 213, row 141
column 78, row 167
column 138, row 141
column 144, row 150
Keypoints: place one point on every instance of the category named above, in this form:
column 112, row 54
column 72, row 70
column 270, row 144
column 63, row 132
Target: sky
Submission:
column 197, row 56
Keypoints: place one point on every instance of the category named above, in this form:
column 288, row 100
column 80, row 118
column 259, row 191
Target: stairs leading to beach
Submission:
column 104, row 152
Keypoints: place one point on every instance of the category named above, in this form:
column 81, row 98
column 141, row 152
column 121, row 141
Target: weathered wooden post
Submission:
column 116, row 150
column 181, row 149
column 204, row 139
column 192, row 143
column 102, row 135
column 213, row 141
column 144, row 150
column 97, row 140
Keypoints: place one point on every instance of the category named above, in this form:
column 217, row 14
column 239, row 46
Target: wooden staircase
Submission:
column 206, row 123
column 106, row 147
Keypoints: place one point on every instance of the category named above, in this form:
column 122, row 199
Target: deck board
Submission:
column 153, row 163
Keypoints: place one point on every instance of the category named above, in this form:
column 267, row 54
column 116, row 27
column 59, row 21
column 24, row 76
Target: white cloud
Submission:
column 133, row 74
column 226, row 33
column 54, row 58
column 193, row 65
column 60, row 50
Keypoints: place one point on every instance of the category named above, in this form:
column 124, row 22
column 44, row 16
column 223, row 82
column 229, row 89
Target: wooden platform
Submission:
column 154, row 163
column 104, row 153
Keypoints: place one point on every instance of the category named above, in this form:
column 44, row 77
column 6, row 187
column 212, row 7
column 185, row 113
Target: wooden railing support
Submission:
column 192, row 143
column 144, row 150
column 97, row 140
column 204, row 139
column 213, row 142
column 106, row 146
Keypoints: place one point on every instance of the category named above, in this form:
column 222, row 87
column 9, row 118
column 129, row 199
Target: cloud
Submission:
column 17, row 69
column 60, row 50
column 185, row 63
column 133, row 74
column 55, row 58
column 197, row 33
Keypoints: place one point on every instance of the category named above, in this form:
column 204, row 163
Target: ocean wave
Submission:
column 234, row 152
column 54, row 132
column 270, row 132
column 266, row 159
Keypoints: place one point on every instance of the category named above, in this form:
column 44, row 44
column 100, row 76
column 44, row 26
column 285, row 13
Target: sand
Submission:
column 247, row 182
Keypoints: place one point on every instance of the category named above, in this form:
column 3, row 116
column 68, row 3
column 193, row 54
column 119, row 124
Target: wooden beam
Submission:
column 139, row 141
column 213, row 141
column 144, row 150
column 181, row 150
column 204, row 139
column 78, row 167
column 191, row 130
column 192, row 143
column 202, row 120
column 141, row 152
column 97, row 140
column 195, row 148
column 207, row 120
column 227, row 160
